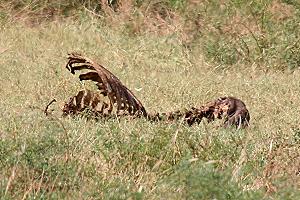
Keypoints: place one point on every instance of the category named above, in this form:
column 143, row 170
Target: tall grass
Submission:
column 74, row 158
column 263, row 34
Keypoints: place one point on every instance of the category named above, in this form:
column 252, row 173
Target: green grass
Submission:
column 74, row 158
column 242, row 33
column 228, row 33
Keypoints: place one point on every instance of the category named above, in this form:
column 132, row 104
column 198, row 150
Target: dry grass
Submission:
column 55, row 157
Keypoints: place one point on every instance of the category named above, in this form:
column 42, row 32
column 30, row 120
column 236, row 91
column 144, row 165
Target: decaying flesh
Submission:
column 231, row 109
column 115, row 99
column 234, row 111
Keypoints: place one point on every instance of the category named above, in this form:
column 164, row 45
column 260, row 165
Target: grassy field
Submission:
column 51, row 157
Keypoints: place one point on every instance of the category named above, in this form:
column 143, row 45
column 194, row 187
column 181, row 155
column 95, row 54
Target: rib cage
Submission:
column 86, row 99
column 232, row 110
column 121, row 98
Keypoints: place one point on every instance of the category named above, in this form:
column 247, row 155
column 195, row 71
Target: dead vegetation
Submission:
column 115, row 100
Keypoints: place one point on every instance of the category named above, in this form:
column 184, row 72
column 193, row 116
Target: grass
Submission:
column 74, row 158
